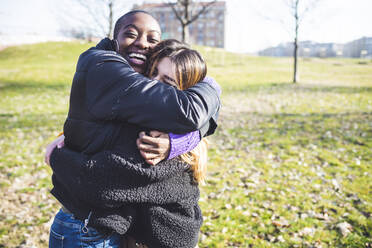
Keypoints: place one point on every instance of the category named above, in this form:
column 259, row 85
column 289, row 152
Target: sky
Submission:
column 251, row 25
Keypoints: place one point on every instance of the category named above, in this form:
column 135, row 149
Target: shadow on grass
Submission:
column 274, row 88
column 9, row 122
column 324, row 129
column 29, row 86
column 357, row 117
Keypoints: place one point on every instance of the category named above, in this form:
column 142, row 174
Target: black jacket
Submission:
column 106, row 91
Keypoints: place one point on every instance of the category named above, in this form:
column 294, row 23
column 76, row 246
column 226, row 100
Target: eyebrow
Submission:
column 135, row 27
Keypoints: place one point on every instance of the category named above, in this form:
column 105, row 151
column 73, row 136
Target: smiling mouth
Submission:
column 137, row 58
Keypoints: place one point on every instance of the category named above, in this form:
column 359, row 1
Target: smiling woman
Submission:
column 136, row 34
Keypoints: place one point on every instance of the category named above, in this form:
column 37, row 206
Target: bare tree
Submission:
column 298, row 16
column 298, row 10
column 102, row 13
column 89, row 17
column 188, row 11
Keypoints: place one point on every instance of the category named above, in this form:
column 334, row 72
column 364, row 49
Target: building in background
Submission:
column 360, row 48
column 306, row 49
column 207, row 30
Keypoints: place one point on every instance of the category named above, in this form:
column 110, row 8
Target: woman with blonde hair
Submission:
column 156, row 206
column 175, row 63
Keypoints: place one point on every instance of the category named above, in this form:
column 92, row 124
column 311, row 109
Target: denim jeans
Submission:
column 69, row 232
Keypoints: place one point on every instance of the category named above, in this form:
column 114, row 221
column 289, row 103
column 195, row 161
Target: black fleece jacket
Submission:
column 157, row 205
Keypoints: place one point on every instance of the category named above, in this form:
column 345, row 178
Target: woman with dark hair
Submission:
column 122, row 194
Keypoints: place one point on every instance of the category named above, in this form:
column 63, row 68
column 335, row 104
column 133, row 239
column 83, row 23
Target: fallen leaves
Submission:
column 282, row 223
column 289, row 165
column 344, row 228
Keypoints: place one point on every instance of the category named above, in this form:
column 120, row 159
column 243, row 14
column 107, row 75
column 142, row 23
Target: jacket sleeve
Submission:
column 182, row 143
column 106, row 180
column 116, row 92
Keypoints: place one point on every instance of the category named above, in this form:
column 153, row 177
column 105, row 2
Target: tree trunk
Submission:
column 185, row 34
column 295, row 52
column 185, row 26
column 295, row 79
column 109, row 32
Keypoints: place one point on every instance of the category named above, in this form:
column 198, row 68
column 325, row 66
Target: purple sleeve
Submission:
column 213, row 83
column 182, row 143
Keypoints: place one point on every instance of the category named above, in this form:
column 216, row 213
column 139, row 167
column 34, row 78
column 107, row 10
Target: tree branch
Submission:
column 95, row 14
column 178, row 16
column 203, row 10
column 311, row 6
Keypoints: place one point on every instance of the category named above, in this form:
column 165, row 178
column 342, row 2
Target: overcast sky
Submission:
column 251, row 24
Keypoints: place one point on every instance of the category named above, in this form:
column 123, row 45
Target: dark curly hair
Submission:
column 119, row 23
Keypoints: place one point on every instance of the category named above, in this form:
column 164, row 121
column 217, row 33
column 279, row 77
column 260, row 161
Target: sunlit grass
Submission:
column 287, row 164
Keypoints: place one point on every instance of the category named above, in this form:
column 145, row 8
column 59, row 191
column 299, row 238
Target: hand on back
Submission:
column 154, row 146
column 58, row 142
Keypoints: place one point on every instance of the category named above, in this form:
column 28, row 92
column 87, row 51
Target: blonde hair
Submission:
column 190, row 68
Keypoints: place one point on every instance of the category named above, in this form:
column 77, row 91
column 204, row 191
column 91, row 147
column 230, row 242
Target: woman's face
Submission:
column 165, row 72
column 140, row 32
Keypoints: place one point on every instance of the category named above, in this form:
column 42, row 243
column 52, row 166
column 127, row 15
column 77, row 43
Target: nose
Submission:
column 141, row 42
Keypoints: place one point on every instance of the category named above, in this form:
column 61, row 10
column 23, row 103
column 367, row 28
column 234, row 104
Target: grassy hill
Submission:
column 289, row 164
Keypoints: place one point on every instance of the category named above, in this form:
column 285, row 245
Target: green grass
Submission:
column 287, row 164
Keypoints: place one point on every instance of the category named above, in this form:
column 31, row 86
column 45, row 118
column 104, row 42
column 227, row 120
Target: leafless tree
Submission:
column 188, row 11
column 298, row 10
column 89, row 17
column 102, row 13
column 298, row 16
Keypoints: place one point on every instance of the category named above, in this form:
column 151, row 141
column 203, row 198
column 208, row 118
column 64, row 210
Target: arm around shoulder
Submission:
column 115, row 91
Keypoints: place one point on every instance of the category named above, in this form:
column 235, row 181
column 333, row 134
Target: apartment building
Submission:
column 359, row 48
column 207, row 30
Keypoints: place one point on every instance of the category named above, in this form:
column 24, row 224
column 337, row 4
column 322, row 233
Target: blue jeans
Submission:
column 66, row 231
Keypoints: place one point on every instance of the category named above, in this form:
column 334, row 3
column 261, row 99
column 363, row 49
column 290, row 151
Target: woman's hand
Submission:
column 154, row 147
column 59, row 143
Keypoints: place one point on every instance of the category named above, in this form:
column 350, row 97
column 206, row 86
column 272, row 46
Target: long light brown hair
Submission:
column 190, row 68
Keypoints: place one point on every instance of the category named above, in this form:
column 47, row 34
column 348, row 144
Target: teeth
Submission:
column 137, row 55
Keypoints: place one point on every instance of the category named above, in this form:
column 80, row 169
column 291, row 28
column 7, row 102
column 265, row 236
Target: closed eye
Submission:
column 153, row 41
column 131, row 34
column 169, row 79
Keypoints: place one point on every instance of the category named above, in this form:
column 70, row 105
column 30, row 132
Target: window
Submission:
column 220, row 16
column 191, row 28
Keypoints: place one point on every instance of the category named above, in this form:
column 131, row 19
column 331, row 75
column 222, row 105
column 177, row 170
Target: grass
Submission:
column 287, row 164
